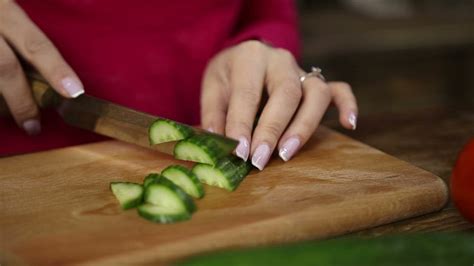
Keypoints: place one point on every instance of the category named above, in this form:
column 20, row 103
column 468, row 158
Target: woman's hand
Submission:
column 234, row 83
column 19, row 34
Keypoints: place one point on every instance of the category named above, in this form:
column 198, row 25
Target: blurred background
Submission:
column 411, row 67
column 398, row 55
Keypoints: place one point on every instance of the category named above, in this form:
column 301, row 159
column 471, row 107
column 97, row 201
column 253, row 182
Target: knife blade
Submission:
column 105, row 118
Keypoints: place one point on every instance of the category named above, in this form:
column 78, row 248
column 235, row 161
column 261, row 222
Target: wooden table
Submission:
column 430, row 139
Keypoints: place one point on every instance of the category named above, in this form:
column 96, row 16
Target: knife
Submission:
column 103, row 117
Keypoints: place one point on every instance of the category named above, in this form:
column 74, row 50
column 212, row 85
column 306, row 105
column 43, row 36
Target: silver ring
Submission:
column 315, row 72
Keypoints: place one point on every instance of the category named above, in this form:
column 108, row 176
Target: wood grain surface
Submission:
column 429, row 138
column 57, row 208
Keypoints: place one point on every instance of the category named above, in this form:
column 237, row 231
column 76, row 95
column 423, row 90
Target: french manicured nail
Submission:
column 261, row 156
column 72, row 86
column 32, row 127
column 243, row 148
column 289, row 148
column 353, row 120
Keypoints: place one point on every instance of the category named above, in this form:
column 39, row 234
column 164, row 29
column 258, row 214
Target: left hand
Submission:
column 232, row 88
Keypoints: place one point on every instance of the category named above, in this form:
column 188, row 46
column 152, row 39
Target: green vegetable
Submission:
column 150, row 179
column 227, row 173
column 202, row 149
column 160, row 214
column 185, row 179
column 165, row 202
column 164, row 130
column 128, row 194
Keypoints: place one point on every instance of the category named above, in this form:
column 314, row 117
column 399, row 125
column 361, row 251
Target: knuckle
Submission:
column 325, row 90
column 24, row 110
column 284, row 54
column 343, row 85
column 34, row 46
column 9, row 67
column 249, row 94
column 272, row 129
column 253, row 46
column 237, row 125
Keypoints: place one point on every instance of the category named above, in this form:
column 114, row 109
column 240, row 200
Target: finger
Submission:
column 214, row 100
column 285, row 93
column 37, row 49
column 247, row 73
column 14, row 89
column 316, row 99
column 345, row 102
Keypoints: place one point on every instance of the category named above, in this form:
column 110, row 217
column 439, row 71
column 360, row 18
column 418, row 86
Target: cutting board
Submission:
column 56, row 207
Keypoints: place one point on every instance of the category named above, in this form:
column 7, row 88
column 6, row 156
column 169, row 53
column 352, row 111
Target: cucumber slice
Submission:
column 185, row 179
column 165, row 202
column 160, row 214
column 163, row 192
column 128, row 194
column 201, row 149
column 227, row 173
column 150, row 179
column 164, row 130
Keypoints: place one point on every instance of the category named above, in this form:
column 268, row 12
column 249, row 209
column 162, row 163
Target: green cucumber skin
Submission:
column 207, row 144
column 183, row 130
column 232, row 168
column 130, row 204
column 186, row 199
column 226, row 145
column 150, row 179
column 198, row 185
column 164, row 218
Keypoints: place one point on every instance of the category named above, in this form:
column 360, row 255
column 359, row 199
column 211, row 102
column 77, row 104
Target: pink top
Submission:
column 149, row 55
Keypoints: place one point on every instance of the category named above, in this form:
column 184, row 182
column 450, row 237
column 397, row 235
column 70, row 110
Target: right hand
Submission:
column 18, row 33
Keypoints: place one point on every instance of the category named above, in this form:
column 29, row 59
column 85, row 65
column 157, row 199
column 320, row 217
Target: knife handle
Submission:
column 43, row 94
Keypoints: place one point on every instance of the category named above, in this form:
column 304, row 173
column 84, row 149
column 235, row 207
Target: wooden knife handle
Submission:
column 43, row 94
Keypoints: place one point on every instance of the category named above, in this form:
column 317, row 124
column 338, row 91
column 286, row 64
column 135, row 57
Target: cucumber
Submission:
column 227, row 173
column 165, row 202
column 201, row 149
column 128, row 194
column 185, row 179
column 164, row 130
column 160, row 214
column 150, row 179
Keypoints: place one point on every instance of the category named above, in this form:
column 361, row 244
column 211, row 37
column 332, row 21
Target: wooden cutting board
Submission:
column 56, row 207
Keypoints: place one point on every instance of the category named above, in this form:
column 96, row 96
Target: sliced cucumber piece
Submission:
column 128, row 194
column 201, row 149
column 163, row 192
column 165, row 202
column 161, row 214
column 164, row 130
column 227, row 173
column 185, row 179
column 150, row 179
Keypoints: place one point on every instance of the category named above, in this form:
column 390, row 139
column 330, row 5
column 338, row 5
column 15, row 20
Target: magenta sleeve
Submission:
column 274, row 22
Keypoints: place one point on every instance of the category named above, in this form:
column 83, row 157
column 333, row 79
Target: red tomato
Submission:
column 462, row 182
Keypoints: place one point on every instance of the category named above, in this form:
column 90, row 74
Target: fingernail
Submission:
column 289, row 148
column 73, row 87
column 210, row 129
column 353, row 120
column 261, row 156
column 243, row 148
column 32, row 127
